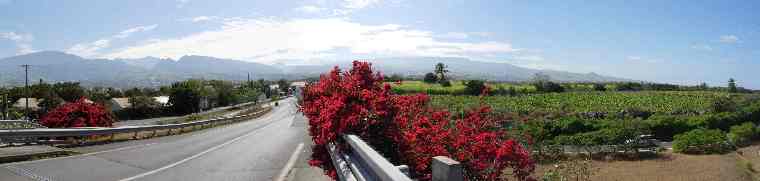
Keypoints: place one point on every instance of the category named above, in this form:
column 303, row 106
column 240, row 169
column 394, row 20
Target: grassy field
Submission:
column 655, row 101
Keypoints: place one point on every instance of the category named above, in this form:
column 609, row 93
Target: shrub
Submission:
column 600, row 87
column 143, row 107
column 723, row 121
column 629, row 86
column 445, row 83
column 78, row 114
column 665, row 126
column 404, row 128
column 474, row 87
column 722, row 104
column 701, row 141
column 548, row 86
column 742, row 134
column 430, row 78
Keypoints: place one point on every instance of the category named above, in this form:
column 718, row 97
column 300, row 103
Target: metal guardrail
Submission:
column 364, row 163
column 10, row 135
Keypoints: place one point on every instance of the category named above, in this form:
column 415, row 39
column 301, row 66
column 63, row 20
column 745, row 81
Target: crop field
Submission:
column 456, row 88
column 654, row 101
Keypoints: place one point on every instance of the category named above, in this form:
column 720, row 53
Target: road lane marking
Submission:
column 27, row 173
column 80, row 155
column 196, row 155
column 291, row 162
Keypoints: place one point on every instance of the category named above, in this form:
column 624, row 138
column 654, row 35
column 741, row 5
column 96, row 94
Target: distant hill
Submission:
column 53, row 66
column 460, row 68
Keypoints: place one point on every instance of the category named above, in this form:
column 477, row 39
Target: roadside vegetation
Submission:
column 67, row 104
column 566, row 123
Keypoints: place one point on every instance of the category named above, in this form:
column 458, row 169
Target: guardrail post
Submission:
column 446, row 169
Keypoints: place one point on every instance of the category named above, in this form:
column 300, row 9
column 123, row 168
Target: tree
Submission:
column 543, row 84
column 430, row 78
column 393, row 78
column 49, row 102
column 703, row 86
column 732, row 85
column 599, row 87
column 283, row 85
column 185, row 97
column 474, row 87
column 133, row 92
column 114, row 92
column 143, row 107
column 224, row 93
column 69, row 91
column 78, row 114
column 440, row 71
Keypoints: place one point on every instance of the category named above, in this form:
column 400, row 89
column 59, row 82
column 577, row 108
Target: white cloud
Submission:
column 13, row 36
column 358, row 4
column 702, row 47
column 91, row 49
column 22, row 41
column 640, row 59
column 455, row 35
column 351, row 6
column 309, row 9
column 729, row 39
column 203, row 18
column 269, row 39
column 126, row 33
column 529, row 58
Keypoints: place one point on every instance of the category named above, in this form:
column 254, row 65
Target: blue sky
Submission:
column 684, row 42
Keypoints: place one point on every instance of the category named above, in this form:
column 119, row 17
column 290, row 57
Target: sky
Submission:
column 676, row 41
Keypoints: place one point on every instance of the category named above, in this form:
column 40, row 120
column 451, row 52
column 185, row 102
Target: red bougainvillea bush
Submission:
column 405, row 129
column 79, row 113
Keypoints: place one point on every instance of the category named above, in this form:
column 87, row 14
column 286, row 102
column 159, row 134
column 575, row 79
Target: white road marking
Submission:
column 27, row 173
column 194, row 156
column 80, row 155
column 291, row 162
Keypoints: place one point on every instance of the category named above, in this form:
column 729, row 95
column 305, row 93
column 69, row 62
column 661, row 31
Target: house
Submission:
column 274, row 87
column 33, row 103
column 298, row 88
column 162, row 100
column 120, row 103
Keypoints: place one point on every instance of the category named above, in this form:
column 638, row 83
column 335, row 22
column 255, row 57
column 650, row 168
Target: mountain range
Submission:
column 53, row 66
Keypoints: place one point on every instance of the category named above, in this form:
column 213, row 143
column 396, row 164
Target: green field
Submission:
column 456, row 88
column 654, row 101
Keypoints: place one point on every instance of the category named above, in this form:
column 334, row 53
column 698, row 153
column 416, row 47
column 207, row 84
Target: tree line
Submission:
column 185, row 97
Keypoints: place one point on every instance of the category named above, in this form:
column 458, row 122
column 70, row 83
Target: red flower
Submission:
column 404, row 128
column 77, row 114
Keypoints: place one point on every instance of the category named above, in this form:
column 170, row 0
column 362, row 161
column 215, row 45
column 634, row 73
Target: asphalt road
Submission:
column 252, row 150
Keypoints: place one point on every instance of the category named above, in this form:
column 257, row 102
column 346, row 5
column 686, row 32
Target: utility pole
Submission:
column 249, row 81
column 5, row 105
column 26, row 90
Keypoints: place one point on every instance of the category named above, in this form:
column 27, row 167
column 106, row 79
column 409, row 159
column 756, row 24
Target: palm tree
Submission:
column 440, row 70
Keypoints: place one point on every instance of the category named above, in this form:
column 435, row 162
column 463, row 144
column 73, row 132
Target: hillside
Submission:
column 150, row 71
